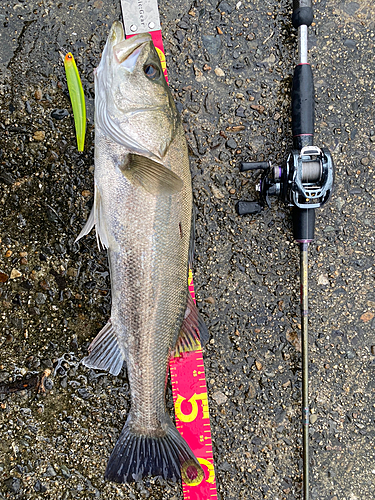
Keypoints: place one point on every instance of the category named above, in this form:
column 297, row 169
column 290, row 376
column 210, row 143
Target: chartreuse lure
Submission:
column 77, row 98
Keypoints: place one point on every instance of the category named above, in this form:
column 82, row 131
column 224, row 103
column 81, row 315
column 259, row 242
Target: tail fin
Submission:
column 136, row 456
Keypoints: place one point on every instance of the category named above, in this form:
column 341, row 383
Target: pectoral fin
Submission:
column 150, row 175
column 96, row 218
column 88, row 226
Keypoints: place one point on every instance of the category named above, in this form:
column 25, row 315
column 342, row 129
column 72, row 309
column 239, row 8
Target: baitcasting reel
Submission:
column 304, row 182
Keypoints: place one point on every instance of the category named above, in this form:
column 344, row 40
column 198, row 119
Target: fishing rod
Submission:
column 304, row 183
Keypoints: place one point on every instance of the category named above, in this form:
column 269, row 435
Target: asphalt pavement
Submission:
column 230, row 67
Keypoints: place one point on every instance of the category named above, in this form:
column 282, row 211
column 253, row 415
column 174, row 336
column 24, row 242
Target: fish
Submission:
column 143, row 213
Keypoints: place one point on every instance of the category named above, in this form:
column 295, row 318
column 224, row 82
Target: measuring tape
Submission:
column 187, row 370
column 192, row 416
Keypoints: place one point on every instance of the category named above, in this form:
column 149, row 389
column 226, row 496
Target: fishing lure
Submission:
column 77, row 98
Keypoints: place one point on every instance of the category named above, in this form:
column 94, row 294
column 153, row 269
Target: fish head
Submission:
column 133, row 103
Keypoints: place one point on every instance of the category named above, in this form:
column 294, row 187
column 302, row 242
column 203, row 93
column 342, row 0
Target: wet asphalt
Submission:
column 230, row 66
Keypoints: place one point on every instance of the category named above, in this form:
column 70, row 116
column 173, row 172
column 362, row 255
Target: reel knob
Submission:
column 248, row 207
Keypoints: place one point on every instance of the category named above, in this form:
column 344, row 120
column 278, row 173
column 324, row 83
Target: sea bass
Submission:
column 142, row 213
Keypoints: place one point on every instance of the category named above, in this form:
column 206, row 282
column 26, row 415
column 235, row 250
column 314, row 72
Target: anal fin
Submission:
column 104, row 352
column 193, row 329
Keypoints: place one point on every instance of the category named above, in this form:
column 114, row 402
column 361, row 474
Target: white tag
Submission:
column 140, row 16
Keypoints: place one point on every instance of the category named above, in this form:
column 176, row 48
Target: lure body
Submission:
column 77, row 98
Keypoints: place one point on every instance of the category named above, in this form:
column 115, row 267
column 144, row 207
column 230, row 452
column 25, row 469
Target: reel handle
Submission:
column 248, row 207
column 254, row 165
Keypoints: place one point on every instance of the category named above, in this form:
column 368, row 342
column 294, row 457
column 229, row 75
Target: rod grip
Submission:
column 303, row 224
column 303, row 105
column 302, row 13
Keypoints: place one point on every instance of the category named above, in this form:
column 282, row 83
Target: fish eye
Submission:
column 152, row 72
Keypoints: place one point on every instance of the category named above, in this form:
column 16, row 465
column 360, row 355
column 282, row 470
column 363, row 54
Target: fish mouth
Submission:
column 126, row 49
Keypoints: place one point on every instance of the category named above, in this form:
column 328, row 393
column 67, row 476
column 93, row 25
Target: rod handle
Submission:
column 302, row 13
column 303, row 224
column 303, row 106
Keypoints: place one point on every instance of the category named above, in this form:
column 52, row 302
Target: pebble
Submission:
column 210, row 300
column 231, row 143
column 212, row 43
column 367, row 316
column 219, row 71
column 39, row 135
column 15, row 274
column 270, row 60
column 323, row 279
column 50, row 471
column 350, row 354
column 351, row 44
column 40, row 487
column 258, row 365
column 219, row 397
column 28, row 108
column 48, row 384
column 13, row 484
column 240, row 111
column 44, row 285
column 40, row 298
column 183, row 25
column 251, row 392
column 223, row 156
column 59, row 114
column 3, row 277
column 340, row 202
column 225, row 467
column 225, row 7
column 257, row 107
column 292, row 337
column 216, row 192
column 194, row 108
column 313, row 418
column 65, row 472
column 179, row 35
